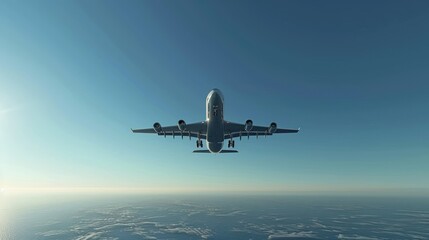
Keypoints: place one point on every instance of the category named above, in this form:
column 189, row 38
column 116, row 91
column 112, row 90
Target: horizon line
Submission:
column 279, row 191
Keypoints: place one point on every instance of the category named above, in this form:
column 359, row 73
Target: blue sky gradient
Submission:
column 75, row 76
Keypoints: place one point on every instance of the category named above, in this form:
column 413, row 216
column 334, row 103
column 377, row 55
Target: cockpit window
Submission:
column 215, row 110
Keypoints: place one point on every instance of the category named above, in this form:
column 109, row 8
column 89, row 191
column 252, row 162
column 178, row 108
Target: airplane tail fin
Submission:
column 223, row 151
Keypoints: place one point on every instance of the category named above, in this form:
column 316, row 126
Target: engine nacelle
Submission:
column 181, row 125
column 157, row 127
column 272, row 128
column 248, row 125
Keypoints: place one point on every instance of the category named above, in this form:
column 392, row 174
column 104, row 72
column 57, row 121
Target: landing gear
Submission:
column 231, row 143
column 199, row 143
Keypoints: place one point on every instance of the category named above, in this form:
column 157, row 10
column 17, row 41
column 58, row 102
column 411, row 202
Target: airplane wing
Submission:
column 233, row 130
column 191, row 130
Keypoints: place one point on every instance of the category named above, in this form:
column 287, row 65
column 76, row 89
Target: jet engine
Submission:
column 157, row 127
column 272, row 128
column 248, row 126
column 181, row 125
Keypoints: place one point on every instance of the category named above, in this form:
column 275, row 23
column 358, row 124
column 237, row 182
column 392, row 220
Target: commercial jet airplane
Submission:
column 215, row 130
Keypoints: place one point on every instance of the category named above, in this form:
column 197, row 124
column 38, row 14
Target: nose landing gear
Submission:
column 231, row 143
column 199, row 143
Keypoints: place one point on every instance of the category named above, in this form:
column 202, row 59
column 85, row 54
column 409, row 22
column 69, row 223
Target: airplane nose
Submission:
column 216, row 94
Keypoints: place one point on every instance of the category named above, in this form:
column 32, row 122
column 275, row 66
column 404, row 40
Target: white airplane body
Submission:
column 215, row 130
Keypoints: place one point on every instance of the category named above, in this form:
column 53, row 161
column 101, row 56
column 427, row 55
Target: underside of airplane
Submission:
column 215, row 130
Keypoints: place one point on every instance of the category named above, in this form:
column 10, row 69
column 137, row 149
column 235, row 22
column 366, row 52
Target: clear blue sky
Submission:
column 75, row 76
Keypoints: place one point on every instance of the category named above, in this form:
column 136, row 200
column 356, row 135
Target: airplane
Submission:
column 215, row 130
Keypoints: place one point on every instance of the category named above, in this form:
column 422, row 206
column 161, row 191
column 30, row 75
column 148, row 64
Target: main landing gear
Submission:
column 231, row 143
column 199, row 143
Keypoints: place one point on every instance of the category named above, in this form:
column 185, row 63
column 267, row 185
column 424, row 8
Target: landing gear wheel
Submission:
column 199, row 143
column 233, row 144
column 229, row 143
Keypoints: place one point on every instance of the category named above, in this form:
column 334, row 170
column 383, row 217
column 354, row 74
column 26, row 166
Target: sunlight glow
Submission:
column 4, row 111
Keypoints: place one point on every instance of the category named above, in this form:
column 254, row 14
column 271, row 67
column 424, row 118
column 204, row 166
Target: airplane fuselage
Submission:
column 214, row 119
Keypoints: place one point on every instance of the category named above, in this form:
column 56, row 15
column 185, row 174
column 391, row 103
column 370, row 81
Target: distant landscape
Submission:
column 216, row 217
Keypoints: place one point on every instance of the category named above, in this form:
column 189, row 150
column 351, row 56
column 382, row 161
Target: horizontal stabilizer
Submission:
column 229, row 151
column 201, row 151
column 223, row 151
